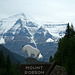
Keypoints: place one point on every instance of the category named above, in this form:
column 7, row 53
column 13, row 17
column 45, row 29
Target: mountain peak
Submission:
column 20, row 15
column 18, row 21
column 41, row 29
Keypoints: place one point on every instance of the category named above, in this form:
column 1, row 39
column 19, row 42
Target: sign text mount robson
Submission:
column 37, row 69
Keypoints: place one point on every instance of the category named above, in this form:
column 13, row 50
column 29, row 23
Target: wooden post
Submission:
column 51, row 68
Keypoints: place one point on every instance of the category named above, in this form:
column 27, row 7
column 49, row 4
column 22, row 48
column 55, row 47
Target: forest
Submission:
column 65, row 55
column 7, row 67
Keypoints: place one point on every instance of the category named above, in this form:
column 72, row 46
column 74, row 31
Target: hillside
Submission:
column 15, row 58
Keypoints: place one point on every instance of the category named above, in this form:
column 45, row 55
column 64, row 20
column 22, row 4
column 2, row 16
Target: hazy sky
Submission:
column 40, row 10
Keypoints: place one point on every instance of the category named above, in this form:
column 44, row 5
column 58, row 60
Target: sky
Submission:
column 41, row 10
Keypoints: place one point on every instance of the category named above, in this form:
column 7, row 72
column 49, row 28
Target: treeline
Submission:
column 65, row 55
column 7, row 67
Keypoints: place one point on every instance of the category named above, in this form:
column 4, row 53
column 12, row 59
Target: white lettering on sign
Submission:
column 34, row 72
column 34, row 67
column 29, row 70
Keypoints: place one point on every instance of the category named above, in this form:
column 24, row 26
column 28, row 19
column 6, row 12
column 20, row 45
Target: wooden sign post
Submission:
column 37, row 69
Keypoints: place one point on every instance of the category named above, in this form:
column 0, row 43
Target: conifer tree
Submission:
column 2, row 60
column 72, row 31
column 65, row 56
column 8, row 65
column 8, row 62
column 68, row 31
column 51, row 59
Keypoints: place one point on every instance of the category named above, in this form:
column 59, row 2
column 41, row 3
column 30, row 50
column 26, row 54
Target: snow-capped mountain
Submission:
column 16, row 25
column 57, row 30
column 7, row 23
column 17, row 31
column 42, row 34
column 11, row 26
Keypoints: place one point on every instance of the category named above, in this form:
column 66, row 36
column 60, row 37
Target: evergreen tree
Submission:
column 6, row 68
column 51, row 59
column 65, row 56
column 2, row 60
column 8, row 65
column 68, row 31
column 72, row 31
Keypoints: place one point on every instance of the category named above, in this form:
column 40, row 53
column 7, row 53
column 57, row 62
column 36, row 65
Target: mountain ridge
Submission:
column 17, row 31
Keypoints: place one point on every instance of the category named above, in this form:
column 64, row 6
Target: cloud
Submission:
column 51, row 10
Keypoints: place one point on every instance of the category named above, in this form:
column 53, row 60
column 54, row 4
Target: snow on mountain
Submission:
column 2, row 41
column 32, row 27
column 42, row 35
column 57, row 30
column 17, row 31
column 49, row 40
column 18, row 23
column 7, row 23
column 13, row 25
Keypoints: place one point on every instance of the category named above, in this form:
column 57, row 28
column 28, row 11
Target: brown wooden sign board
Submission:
column 37, row 69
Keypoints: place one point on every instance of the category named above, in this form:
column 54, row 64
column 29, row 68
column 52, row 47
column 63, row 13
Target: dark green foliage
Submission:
column 2, row 60
column 6, row 68
column 15, row 70
column 51, row 59
column 8, row 63
column 3, row 71
column 65, row 56
column 70, row 31
column 15, row 58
